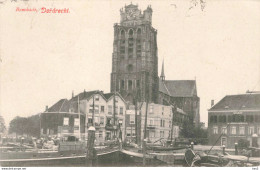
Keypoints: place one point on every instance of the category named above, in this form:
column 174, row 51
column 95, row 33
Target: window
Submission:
column 131, row 32
column 162, row 123
column 233, row 130
column 122, row 84
column 249, row 118
column 224, row 141
column 116, row 121
column 76, row 122
column 258, row 130
column 241, row 130
column 222, row 119
column 162, row 134
column 102, row 109
column 257, row 118
column 215, row 130
column 151, row 109
column 120, row 122
column 102, row 121
column 151, row 134
column 89, row 120
column 229, row 118
column 251, row 130
column 116, row 110
column 139, row 32
column 109, row 121
column 96, row 108
column 211, row 119
column 132, row 119
column 122, row 34
column 224, row 130
column 138, row 83
column 151, row 122
column 110, row 109
column 130, row 84
column 233, row 118
column 242, row 119
column 96, row 119
column 130, row 68
column 91, row 108
column 100, row 135
column 96, row 98
column 116, row 99
column 65, row 121
column 121, row 110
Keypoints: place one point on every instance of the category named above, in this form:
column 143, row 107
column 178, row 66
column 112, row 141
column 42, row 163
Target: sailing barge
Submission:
column 68, row 154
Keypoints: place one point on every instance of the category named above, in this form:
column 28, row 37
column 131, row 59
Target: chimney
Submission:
column 72, row 94
column 46, row 108
column 252, row 91
column 84, row 93
column 212, row 103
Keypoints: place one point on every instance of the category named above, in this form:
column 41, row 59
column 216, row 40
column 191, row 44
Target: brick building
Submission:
column 62, row 119
column 235, row 117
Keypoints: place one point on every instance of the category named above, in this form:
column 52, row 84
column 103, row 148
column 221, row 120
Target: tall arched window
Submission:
column 130, row 68
column 122, row 44
column 138, row 43
column 130, row 43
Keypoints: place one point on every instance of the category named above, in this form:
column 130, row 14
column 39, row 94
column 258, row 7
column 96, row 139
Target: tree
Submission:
column 197, row 133
column 33, row 126
column 2, row 125
column 243, row 143
column 187, row 130
column 17, row 125
column 22, row 125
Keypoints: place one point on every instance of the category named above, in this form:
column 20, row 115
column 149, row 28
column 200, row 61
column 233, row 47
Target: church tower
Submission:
column 135, row 56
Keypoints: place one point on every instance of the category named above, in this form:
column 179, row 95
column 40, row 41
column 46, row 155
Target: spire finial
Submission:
column 162, row 72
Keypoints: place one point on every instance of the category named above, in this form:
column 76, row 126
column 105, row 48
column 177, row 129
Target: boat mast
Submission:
column 93, row 111
column 173, row 112
column 135, row 102
column 79, row 118
column 145, row 124
column 114, row 115
column 144, row 140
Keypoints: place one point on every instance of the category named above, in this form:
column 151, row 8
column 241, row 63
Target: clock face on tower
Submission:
column 131, row 13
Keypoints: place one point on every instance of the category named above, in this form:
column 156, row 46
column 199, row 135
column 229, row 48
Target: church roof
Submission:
column 249, row 101
column 178, row 88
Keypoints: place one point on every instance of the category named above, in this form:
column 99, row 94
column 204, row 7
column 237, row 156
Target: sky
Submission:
column 44, row 57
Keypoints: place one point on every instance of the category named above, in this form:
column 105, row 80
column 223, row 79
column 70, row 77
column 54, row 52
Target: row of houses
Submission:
column 112, row 117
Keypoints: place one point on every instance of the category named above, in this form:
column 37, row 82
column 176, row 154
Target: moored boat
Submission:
column 67, row 154
column 202, row 159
